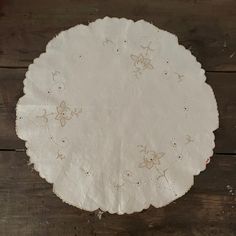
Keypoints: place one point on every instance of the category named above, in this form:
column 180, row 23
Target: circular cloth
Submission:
column 117, row 116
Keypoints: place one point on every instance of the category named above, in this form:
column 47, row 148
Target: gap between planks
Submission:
column 24, row 150
column 207, row 71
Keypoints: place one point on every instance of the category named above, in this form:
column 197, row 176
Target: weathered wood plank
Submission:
column 11, row 89
column 206, row 27
column 29, row 207
column 224, row 85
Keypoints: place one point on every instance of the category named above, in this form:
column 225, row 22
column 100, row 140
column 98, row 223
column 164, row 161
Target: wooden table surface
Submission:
column 27, row 203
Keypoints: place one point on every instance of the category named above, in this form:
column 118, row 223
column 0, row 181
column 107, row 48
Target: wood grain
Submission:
column 223, row 84
column 29, row 207
column 206, row 27
column 27, row 204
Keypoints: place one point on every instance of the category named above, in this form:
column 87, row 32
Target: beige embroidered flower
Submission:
column 189, row 139
column 60, row 156
column 64, row 113
column 150, row 158
column 141, row 62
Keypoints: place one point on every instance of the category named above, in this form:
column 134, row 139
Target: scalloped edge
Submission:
column 27, row 145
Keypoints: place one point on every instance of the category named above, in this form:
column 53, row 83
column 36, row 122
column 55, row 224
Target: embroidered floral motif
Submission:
column 179, row 77
column 45, row 115
column 107, row 41
column 189, row 139
column 55, row 74
column 58, row 83
column 173, row 143
column 150, row 158
column 60, row 156
column 147, row 48
column 127, row 174
column 63, row 114
column 85, row 171
column 142, row 61
column 163, row 175
column 118, row 186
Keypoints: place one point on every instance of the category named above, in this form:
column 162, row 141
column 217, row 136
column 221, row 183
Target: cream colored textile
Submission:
column 117, row 116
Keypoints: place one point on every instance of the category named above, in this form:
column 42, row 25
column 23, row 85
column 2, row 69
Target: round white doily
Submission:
column 117, row 116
